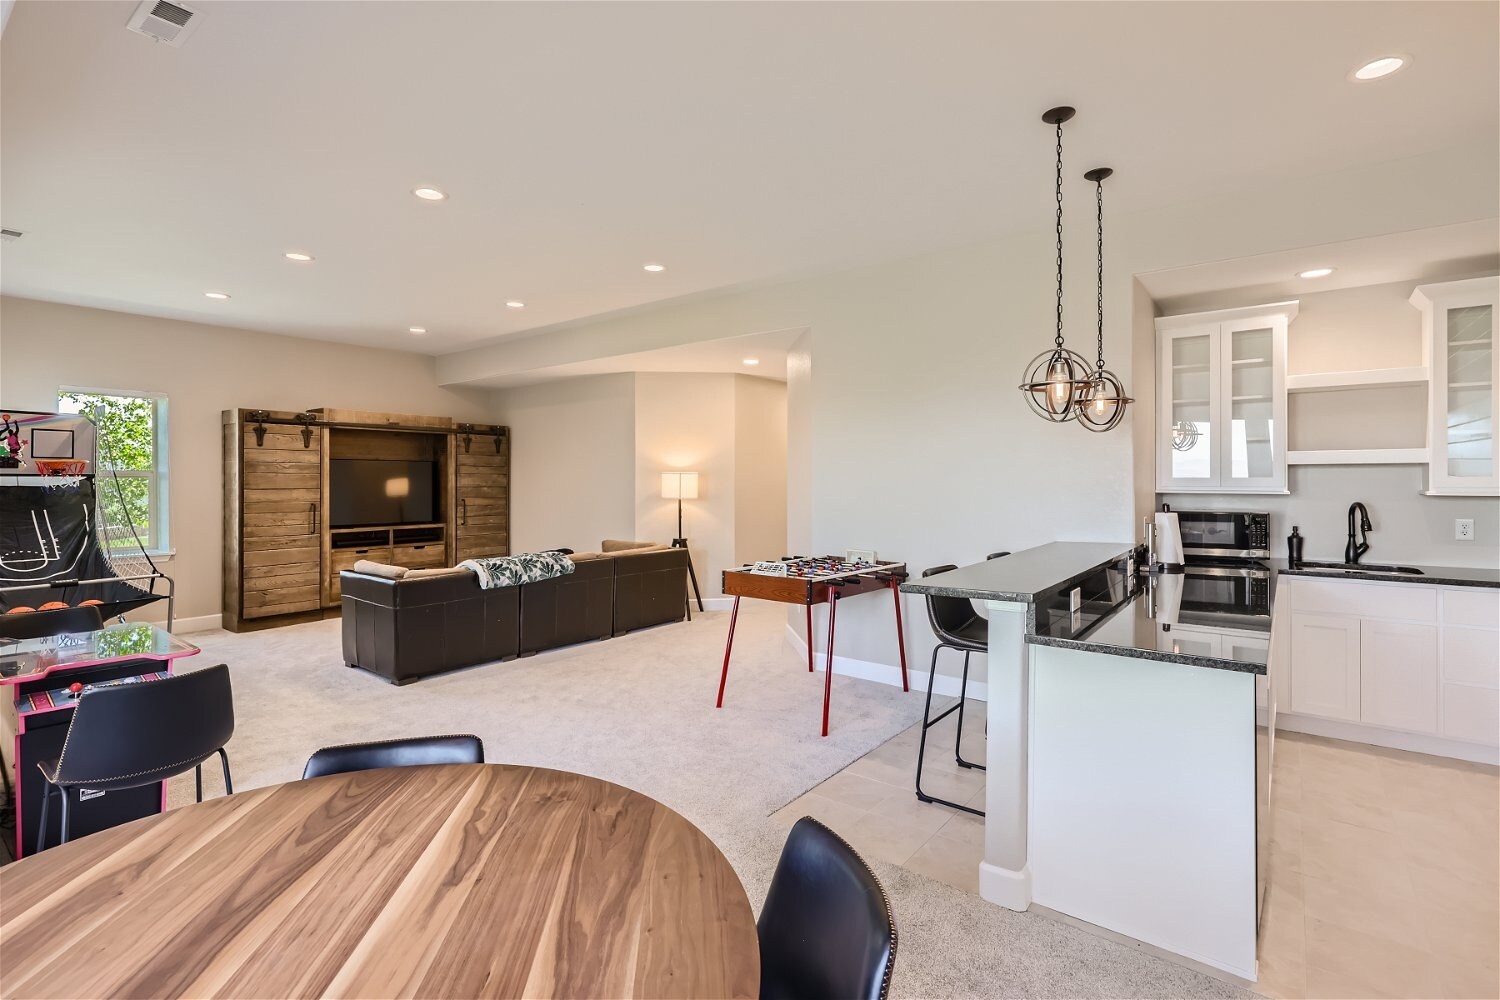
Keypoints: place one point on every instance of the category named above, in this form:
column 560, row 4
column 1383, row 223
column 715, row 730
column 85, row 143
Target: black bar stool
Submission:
column 958, row 626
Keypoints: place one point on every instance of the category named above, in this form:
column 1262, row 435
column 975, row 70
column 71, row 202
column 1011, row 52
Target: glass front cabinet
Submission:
column 1458, row 334
column 1221, row 400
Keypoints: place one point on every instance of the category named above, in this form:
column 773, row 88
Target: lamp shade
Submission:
column 679, row 485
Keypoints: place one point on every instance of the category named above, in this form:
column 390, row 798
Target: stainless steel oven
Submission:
column 1224, row 534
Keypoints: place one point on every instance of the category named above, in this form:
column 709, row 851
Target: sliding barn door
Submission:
column 281, row 473
column 481, row 516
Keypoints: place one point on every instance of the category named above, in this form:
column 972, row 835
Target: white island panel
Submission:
column 1142, row 811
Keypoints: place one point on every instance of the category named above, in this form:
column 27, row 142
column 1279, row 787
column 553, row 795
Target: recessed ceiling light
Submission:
column 216, row 295
column 513, row 304
column 294, row 255
column 656, row 267
column 1317, row 272
column 752, row 361
column 1377, row 68
column 416, row 329
column 429, row 194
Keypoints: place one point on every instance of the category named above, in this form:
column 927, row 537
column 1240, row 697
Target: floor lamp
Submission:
column 682, row 486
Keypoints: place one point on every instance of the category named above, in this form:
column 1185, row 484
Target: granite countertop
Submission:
column 1022, row 576
column 1137, row 627
column 1440, row 576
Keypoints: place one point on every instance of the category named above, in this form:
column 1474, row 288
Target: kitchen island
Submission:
column 1127, row 781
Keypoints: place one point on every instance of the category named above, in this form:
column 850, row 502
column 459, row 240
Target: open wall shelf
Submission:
column 1360, row 456
column 1371, row 378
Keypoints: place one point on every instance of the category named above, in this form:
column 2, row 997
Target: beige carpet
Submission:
column 638, row 710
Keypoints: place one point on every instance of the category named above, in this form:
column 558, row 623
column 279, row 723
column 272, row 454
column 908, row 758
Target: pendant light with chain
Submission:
column 1101, row 404
column 1056, row 379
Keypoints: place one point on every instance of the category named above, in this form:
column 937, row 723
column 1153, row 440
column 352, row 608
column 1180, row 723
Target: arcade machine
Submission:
column 65, row 541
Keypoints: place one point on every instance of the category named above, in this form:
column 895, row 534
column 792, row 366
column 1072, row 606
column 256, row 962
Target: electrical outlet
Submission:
column 860, row 555
column 1463, row 529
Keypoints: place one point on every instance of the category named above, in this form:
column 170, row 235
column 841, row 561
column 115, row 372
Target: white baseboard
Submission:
column 887, row 673
column 1355, row 732
column 715, row 604
column 199, row 623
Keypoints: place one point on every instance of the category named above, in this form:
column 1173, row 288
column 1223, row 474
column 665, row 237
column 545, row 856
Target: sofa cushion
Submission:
column 582, row 557
column 618, row 545
column 642, row 550
column 424, row 574
column 385, row 570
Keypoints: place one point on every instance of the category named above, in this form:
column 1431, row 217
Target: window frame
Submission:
column 159, row 505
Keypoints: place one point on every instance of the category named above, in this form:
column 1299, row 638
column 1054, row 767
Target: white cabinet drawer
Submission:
column 1479, row 607
column 1471, row 656
column 1326, row 671
column 1368, row 600
column 1471, row 713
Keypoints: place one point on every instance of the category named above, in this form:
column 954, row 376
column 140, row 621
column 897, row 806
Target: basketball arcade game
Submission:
column 808, row 580
column 60, row 544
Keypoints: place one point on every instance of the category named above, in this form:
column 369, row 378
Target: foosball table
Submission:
column 809, row 580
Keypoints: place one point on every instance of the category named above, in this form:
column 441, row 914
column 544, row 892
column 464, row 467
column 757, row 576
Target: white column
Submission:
column 1004, row 877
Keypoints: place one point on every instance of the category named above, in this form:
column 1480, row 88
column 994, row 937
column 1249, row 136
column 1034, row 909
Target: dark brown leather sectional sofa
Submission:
column 428, row 622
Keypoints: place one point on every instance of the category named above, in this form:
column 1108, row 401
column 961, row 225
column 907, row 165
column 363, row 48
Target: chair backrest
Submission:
column 36, row 624
column 826, row 929
column 130, row 735
column 947, row 614
column 460, row 749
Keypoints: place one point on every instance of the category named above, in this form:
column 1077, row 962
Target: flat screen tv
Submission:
column 368, row 491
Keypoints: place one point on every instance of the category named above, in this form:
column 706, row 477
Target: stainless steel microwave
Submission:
column 1224, row 534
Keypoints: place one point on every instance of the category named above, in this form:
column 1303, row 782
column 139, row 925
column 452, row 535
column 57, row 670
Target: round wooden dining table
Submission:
column 475, row 880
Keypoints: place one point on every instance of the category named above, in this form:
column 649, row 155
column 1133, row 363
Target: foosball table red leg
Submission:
column 809, row 640
column 900, row 635
column 734, row 614
column 833, row 611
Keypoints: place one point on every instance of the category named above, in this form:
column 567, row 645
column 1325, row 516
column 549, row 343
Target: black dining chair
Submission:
column 463, row 748
column 826, row 928
column 959, row 627
column 37, row 624
column 129, row 735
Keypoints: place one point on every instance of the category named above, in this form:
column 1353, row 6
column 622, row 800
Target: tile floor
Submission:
column 1385, row 869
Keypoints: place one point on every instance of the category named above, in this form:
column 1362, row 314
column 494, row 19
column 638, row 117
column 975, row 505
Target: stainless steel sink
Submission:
column 1361, row 568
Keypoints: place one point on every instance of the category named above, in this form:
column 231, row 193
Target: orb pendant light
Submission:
column 1101, row 404
column 1055, row 379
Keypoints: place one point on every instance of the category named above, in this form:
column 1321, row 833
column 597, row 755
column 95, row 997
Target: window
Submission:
column 132, row 470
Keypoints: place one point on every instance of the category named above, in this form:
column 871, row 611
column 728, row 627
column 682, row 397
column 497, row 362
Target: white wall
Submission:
column 205, row 370
column 686, row 421
column 572, row 461
column 760, row 469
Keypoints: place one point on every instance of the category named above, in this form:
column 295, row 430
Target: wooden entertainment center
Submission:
column 282, row 557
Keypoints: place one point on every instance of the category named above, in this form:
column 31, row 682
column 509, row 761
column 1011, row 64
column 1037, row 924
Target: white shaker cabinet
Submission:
column 1325, row 675
column 1399, row 675
column 1458, row 332
column 1221, row 400
column 1414, row 666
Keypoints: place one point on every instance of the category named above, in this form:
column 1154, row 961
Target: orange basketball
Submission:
column 20, row 610
column 52, row 606
column 90, row 603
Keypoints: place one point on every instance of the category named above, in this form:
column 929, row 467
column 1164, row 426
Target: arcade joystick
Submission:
column 75, row 689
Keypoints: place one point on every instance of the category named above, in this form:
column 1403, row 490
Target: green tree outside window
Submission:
column 127, row 480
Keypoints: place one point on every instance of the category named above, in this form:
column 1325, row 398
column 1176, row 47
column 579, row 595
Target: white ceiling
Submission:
column 1417, row 255
column 726, row 355
column 737, row 143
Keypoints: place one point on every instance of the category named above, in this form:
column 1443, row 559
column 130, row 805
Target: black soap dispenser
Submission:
column 1294, row 548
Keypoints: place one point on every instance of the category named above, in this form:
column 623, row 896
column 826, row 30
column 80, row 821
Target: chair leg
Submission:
column 224, row 758
column 958, row 740
column 66, row 819
column 198, row 781
column 927, row 723
column 41, row 831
